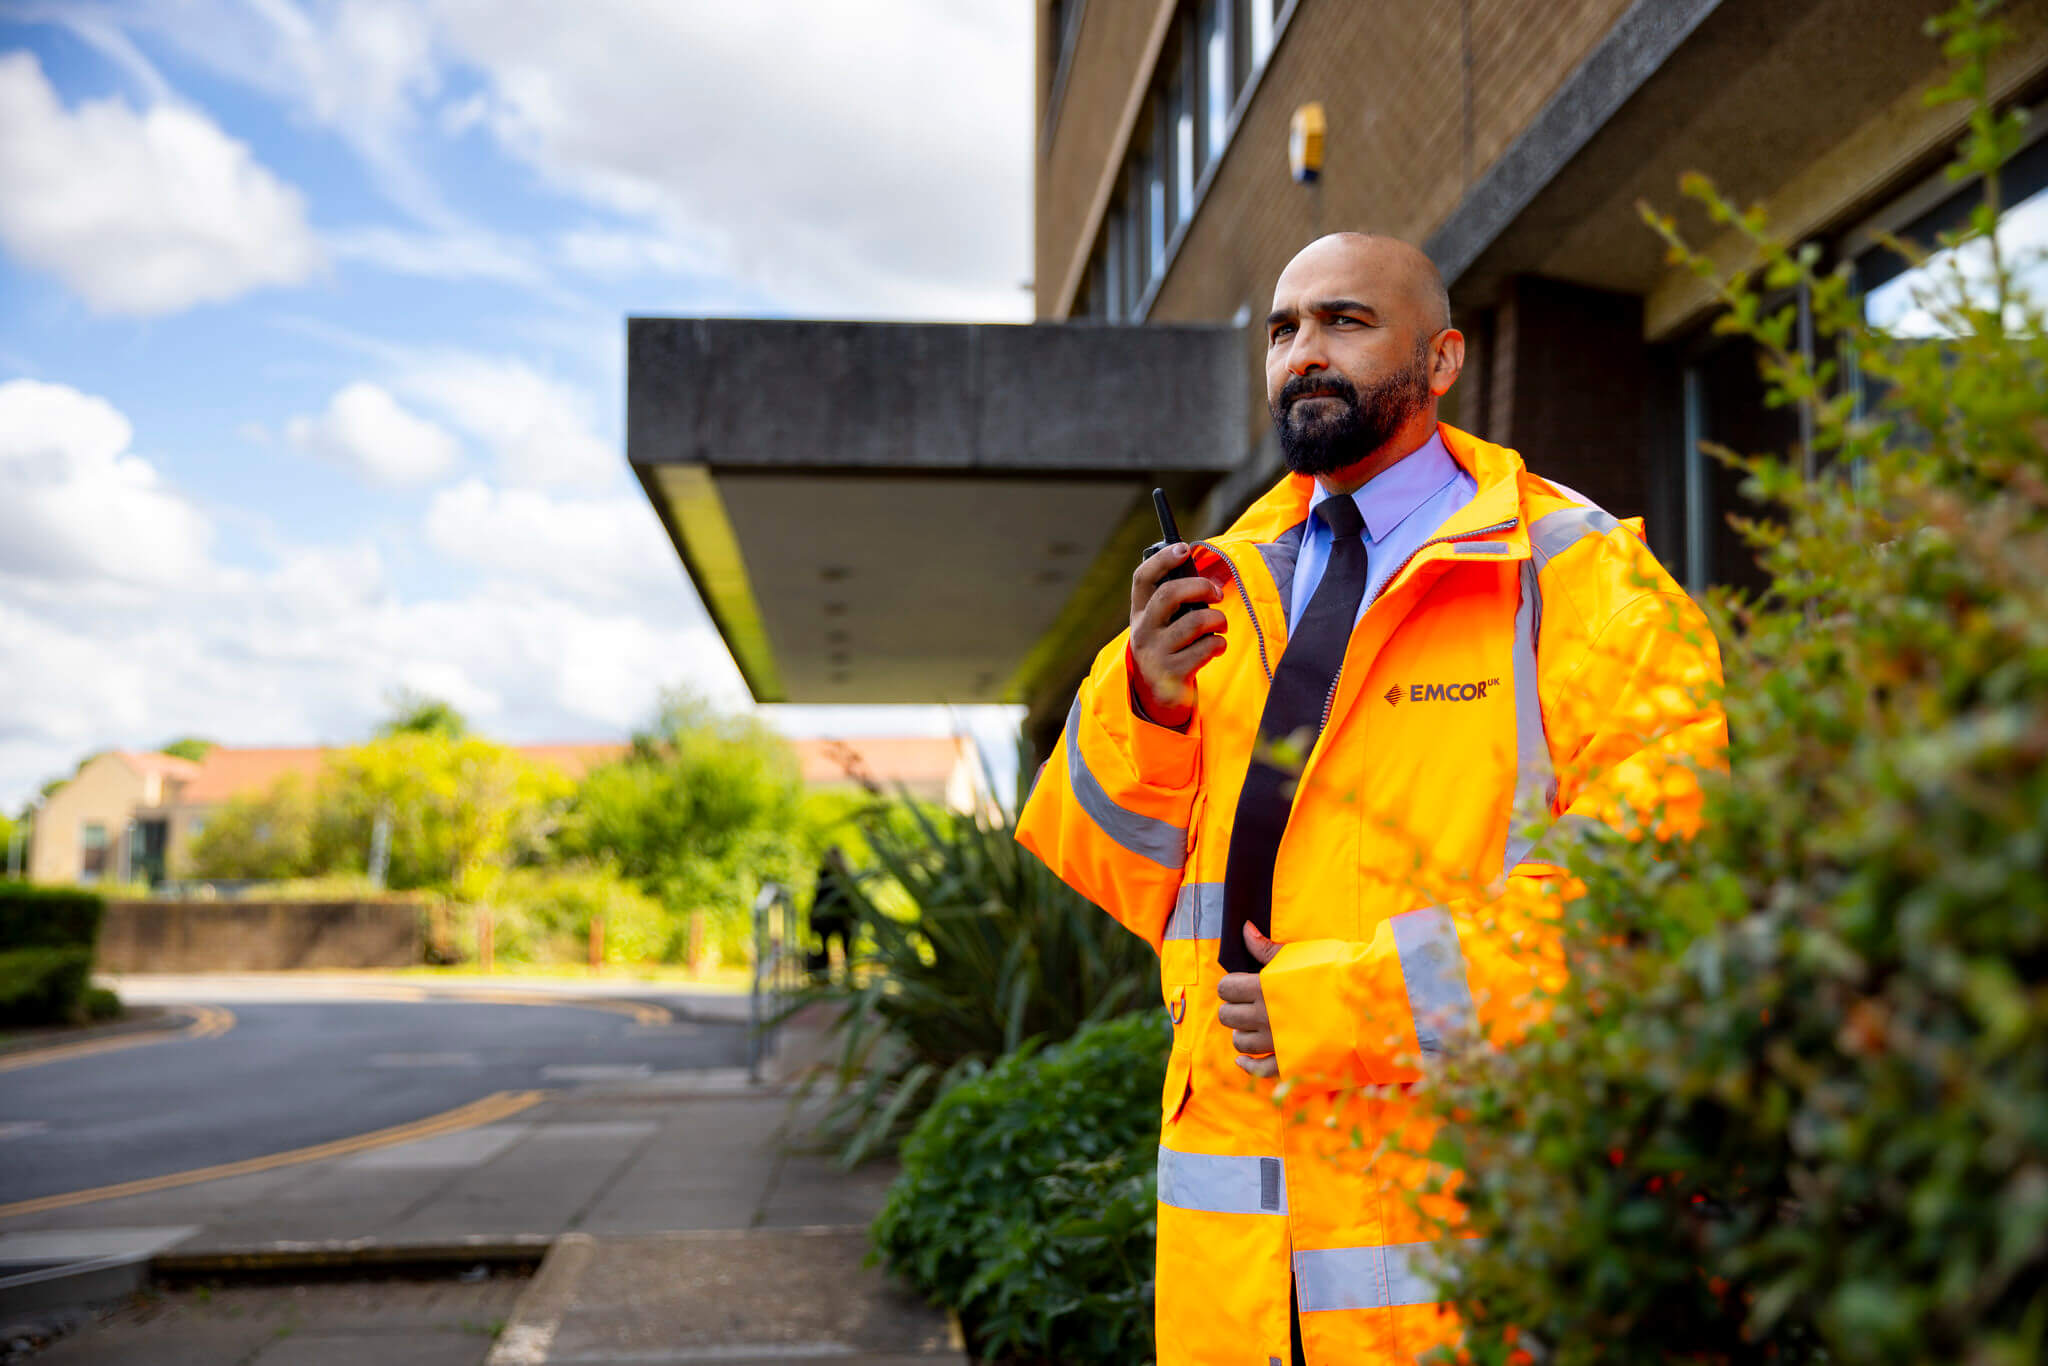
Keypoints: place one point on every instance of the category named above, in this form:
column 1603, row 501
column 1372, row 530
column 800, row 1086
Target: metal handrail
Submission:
column 778, row 965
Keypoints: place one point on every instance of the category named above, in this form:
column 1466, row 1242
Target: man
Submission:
column 831, row 916
column 1320, row 796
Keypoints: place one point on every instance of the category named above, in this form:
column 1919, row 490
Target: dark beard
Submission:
column 1325, row 442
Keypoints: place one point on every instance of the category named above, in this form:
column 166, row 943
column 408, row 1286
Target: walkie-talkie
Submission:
column 1169, row 532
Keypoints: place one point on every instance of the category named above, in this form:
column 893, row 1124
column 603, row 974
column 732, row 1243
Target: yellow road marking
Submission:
column 641, row 1012
column 207, row 1022
column 486, row 1111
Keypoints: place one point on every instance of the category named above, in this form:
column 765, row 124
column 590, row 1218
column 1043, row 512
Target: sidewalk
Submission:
column 678, row 1226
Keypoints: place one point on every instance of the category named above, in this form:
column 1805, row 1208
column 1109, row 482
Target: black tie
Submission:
column 1295, row 711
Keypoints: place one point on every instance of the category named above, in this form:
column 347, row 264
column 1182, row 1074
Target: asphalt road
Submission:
column 290, row 1075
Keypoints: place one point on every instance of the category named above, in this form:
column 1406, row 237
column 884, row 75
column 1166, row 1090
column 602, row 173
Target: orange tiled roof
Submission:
column 884, row 759
column 229, row 771
column 233, row 771
column 146, row 762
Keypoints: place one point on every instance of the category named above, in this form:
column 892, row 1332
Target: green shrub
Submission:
column 1026, row 1200
column 33, row 916
column 42, row 986
column 1793, row 1105
column 100, row 1004
column 968, row 948
column 543, row 915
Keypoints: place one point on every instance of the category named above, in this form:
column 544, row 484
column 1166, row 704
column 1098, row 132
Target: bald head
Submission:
column 1402, row 267
column 1359, row 348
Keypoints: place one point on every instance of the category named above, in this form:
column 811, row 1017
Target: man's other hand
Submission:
column 1168, row 652
column 1244, row 1010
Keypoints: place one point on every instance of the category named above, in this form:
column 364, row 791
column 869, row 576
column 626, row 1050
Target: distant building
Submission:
column 991, row 484
column 130, row 816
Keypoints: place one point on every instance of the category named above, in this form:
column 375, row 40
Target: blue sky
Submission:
column 311, row 334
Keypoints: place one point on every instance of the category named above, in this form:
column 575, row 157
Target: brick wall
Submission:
column 258, row 936
column 1411, row 122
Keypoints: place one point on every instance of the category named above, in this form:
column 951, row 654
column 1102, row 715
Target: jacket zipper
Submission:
column 1330, row 697
column 1237, row 575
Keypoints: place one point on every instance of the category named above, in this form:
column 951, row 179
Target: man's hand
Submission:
column 1244, row 1013
column 1168, row 652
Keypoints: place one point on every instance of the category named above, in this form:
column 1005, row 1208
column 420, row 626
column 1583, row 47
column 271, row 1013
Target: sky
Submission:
column 312, row 336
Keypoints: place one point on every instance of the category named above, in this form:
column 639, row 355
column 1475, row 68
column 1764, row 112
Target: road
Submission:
column 291, row 1074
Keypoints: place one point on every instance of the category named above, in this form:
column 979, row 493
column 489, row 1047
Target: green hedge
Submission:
column 1026, row 1201
column 1792, row 1106
column 43, row 986
column 47, row 939
column 48, row 917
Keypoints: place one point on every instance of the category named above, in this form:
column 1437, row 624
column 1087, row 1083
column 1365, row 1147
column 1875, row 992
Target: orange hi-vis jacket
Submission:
column 1531, row 672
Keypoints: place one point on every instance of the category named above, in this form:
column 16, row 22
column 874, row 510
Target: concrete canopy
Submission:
column 902, row 512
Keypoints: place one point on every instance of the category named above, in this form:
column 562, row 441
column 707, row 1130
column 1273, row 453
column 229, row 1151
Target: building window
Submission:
column 1218, row 89
column 92, row 851
column 1897, row 305
column 1158, row 174
column 1180, row 119
column 1219, row 48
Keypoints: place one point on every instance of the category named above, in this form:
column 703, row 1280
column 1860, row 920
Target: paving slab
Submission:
column 388, row 1323
column 737, row 1296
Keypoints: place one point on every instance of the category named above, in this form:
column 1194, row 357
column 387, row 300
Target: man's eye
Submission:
column 1284, row 329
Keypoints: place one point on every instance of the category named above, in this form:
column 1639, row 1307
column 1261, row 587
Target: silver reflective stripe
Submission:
column 1280, row 557
column 1145, row 836
column 1215, row 1183
column 1366, row 1277
column 1483, row 548
column 1535, row 778
column 1556, row 532
column 1433, row 967
column 1197, row 912
column 1567, row 830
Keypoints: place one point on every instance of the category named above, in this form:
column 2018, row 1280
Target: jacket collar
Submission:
column 1495, row 469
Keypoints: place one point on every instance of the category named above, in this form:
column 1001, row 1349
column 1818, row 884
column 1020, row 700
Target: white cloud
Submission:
column 869, row 158
column 364, row 429
column 144, row 213
column 597, row 251
column 75, row 504
column 607, row 549
column 461, row 255
column 358, row 67
column 117, row 627
column 538, row 427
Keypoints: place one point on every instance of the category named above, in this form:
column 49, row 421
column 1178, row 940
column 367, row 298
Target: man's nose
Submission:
column 1305, row 354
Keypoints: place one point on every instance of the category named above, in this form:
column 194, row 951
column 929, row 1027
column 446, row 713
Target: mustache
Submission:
column 1310, row 386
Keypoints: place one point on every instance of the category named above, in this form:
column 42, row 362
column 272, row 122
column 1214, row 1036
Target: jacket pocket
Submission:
column 1180, row 1062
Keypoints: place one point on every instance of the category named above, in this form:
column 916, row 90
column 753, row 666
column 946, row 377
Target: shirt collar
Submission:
column 1389, row 497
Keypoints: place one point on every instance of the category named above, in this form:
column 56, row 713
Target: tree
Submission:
column 704, row 807
column 457, row 806
column 260, row 838
column 187, row 747
column 1793, row 1103
column 415, row 713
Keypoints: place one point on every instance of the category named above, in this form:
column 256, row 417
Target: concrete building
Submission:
column 130, row 817
column 956, row 515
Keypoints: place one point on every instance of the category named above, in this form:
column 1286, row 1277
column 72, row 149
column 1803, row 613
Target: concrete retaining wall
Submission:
column 257, row 936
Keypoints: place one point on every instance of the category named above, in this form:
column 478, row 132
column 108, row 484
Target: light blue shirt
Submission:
column 1403, row 506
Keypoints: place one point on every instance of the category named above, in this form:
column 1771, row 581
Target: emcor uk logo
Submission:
column 1439, row 692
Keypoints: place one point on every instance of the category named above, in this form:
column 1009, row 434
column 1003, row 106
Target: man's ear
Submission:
column 1446, row 360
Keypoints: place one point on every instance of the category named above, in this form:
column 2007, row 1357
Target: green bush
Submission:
column 543, row 915
column 1026, row 1200
column 42, row 986
column 33, row 916
column 1793, row 1104
column 968, row 948
column 99, row 1004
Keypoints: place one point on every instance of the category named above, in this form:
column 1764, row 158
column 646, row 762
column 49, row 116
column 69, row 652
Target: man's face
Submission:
column 1348, row 355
